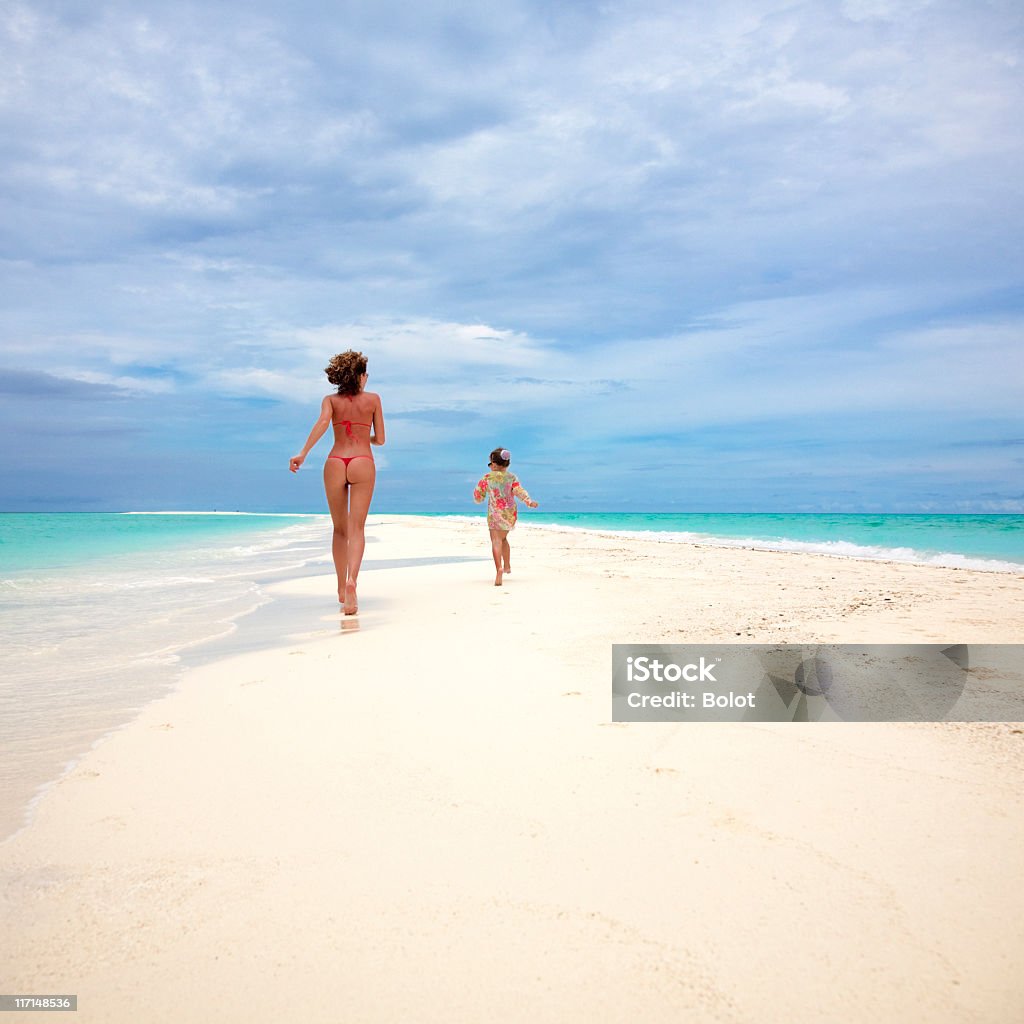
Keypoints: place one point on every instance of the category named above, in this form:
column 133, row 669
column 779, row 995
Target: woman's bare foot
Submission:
column 350, row 604
column 497, row 579
column 508, row 568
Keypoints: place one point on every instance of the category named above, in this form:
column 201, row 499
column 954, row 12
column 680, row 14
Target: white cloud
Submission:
column 883, row 10
column 983, row 339
column 132, row 385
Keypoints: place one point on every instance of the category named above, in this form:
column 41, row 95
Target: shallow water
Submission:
column 987, row 542
column 97, row 626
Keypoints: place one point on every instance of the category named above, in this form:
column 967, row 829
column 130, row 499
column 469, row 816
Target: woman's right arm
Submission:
column 378, row 423
column 318, row 431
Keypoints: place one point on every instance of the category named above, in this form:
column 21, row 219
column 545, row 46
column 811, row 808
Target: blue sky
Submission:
column 676, row 256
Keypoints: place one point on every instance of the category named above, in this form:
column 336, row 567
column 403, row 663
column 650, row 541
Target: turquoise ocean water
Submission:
column 992, row 542
column 49, row 541
column 98, row 610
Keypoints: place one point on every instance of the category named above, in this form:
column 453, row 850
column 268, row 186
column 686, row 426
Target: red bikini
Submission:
column 348, row 458
column 348, row 425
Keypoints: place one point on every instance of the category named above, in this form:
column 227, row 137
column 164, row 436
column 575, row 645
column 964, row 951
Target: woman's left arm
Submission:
column 378, row 423
column 318, row 431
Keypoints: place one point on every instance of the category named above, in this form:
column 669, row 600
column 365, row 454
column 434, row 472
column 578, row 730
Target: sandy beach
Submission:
column 424, row 813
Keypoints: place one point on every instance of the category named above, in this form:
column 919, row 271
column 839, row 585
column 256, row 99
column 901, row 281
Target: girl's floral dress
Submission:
column 501, row 489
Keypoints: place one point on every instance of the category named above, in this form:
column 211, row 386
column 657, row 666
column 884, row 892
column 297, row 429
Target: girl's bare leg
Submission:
column 498, row 542
column 336, row 488
column 362, row 475
column 506, row 554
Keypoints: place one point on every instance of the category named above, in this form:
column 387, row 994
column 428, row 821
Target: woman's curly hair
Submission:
column 344, row 371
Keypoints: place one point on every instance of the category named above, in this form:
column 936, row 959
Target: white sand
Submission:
column 431, row 818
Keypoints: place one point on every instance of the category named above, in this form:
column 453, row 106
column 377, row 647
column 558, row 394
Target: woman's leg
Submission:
column 498, row 542
column 362, row 475
column 336, row 488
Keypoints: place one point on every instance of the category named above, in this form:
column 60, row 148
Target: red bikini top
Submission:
column 348, row 425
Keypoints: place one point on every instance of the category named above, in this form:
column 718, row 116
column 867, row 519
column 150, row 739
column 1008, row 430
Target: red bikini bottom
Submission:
column 347, row 460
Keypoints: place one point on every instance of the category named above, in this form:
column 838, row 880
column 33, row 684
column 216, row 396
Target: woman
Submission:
column 349, row 472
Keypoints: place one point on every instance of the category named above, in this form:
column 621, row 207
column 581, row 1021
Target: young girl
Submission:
column 501, row 488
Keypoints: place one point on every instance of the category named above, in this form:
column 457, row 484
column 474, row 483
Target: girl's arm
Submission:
column 480, row 491
column 520, row 492
column 318, row 431
column 378, row 423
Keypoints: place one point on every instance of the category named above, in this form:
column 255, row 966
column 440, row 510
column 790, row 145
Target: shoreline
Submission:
column 427, row 809
column 87, row 649
column 790, row 546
